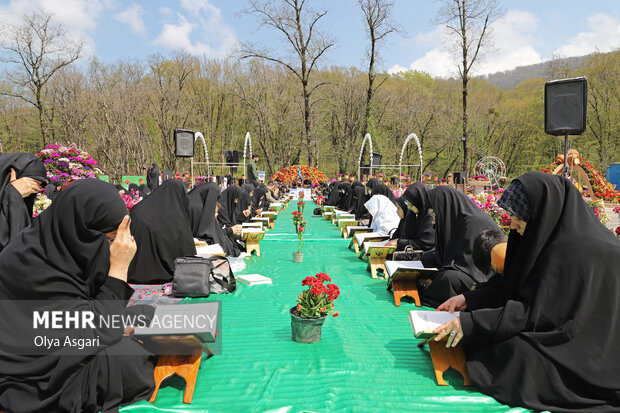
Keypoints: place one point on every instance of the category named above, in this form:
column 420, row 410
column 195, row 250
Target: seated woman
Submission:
column 358, row 200
column 415, row 230
column 202, row 217
column 385, row 219
column 161, row 226
column 243, row 211
column 547, row 338
column 347, row 197
column 74, row 257
column 458, row 221
column 21, row 177
column 335, row 195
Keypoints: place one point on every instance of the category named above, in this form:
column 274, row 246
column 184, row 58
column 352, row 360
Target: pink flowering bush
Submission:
column 187, row 178
column 488, row 203
column 130, row 200
column 68, row 163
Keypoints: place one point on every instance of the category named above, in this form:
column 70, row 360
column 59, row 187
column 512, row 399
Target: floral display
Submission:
column 318, row 299
column 41, row 203
column 488, row 203
column 290, row 174
column 187, row 178
column 68, row 163
column 617, row 231
column 598, row 207
column 481, row 178
column 601, row 187
column 131, row 200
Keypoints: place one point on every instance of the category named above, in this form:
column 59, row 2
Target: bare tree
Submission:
column 40, row 47
column 469, row 23
column 308, row 44
column 379, row 25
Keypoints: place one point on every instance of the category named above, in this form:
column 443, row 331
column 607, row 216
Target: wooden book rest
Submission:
column 252, row 242
column 443, row 358
column 377, row 256
column 185, row 366
column 404, row 284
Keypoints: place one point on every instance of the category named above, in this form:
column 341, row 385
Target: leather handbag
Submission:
column 192, row 277
column 409, row 254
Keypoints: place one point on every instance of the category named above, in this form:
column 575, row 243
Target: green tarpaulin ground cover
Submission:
column 367, row 359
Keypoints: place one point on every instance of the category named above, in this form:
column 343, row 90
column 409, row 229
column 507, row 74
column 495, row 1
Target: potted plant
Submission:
column 314, row 304
column 300, row 206
column 298, row 256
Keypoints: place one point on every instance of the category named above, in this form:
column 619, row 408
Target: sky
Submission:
column 528, row 32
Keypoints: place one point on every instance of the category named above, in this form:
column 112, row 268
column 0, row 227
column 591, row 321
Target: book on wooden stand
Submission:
column 328, row 208
column 252, row 236
column 344, row 223
column 328, row 215
column 361, row 237
column 423, row 324
column 272, row 216
column 180, row 345
column 252, row 225
column 254, row 279
column 377, row 253
column 353, row 229
column 403, row 276
column 264, row 221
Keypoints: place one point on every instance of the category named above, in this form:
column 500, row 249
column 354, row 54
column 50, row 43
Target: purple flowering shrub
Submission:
column 67, row 163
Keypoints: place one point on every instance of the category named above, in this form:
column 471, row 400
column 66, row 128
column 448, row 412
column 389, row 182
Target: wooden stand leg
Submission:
column 356, row 246
column 252, row 246
column 375, row 264
column 443, row 358
column 344, row 232
column 271, row 224
column 184, row 366
column 403, row 286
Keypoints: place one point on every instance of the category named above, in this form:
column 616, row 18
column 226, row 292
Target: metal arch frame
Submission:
column 204, row 145
column 368, row 138
column 411, row 136
column 197, row 135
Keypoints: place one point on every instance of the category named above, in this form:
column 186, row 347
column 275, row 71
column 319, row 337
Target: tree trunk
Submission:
column 307, row 126
column 465, row 123
column 41, row 118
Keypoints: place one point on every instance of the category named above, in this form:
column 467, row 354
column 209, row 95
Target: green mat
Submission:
column 367, row 359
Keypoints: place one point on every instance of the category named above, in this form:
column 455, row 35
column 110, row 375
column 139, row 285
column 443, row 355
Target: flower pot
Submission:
column 298, row 256
column 306, row 330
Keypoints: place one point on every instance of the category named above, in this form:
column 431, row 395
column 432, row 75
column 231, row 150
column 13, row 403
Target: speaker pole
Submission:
column 565, row 170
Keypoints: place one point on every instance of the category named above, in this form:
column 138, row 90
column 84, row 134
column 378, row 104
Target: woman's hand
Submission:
column 258, row 211
column 452, row 329
column 247, row 212
column 236, row 229
column 122, row 250
column 25, row 186
column 457, row 303
column 392, row 243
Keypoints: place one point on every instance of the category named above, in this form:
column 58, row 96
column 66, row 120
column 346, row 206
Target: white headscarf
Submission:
column 385, row 219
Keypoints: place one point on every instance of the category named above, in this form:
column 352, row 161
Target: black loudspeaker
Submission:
column 365, row 169
column 376, row 159
column 459, row 177
column 565, row 106
column 183, row 143
column 232, row 157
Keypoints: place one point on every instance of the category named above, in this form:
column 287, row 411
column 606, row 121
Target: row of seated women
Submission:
column 539, row 316
column 80, row 255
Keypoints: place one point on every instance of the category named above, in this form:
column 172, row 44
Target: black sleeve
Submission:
column 494, row 324
column 485, row 295
column 430, row 259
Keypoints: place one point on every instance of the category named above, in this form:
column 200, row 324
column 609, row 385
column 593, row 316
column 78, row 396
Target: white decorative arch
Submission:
column 410, row 137
column 368, row 138
column 198, row 135
column 248, row 140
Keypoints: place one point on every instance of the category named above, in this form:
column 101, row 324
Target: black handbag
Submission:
column 199, row 276
column 409, row 254
column 192, row 277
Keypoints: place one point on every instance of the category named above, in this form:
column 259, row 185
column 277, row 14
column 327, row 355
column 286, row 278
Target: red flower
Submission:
column 301, row 228
column 332, row 291
column 318, row 289
column 309, row 281
column 323, row 276
column 336, row 314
